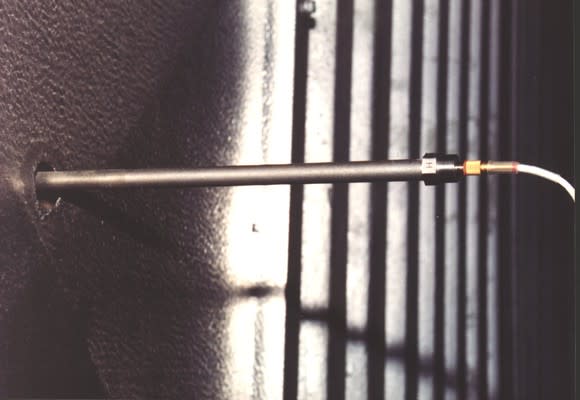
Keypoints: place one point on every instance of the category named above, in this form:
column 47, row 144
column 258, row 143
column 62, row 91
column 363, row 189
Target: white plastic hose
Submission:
column 551, row 176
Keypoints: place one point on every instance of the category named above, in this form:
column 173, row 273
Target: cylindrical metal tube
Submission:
column 364, row 171
column 500, row 167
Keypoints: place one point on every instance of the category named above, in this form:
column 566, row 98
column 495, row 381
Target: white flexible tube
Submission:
column 551, row 176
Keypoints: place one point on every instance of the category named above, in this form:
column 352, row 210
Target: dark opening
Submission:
column 46, row 200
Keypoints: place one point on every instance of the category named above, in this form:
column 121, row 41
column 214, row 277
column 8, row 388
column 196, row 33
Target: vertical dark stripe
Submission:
column 442, row 72
column 482, row 383
column 377, row 275
column 576, row 179
column 336, row 366
column 504, row 216
column 527, row 245
column 556, row 232
column 462, row 203
column 411, row 323
column 291, row 344
column 511, row 235
column 527, row 382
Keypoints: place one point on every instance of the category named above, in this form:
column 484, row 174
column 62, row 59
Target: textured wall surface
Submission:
column 135, row 293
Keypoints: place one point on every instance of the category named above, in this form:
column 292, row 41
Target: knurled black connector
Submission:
column 441, row 168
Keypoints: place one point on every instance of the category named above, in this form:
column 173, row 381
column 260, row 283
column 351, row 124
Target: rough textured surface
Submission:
column 114, row 294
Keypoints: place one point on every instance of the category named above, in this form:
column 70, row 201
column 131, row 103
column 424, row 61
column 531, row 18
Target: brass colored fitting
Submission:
column 500, row 167
column 472, row 167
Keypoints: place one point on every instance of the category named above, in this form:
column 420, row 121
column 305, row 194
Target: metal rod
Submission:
column 364, row 171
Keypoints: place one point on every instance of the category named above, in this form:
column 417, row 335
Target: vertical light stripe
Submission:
column 356, row 378
column 257, row 223
column 451, row 195
column 282, row 35
column 359, row 198
column 318, row 148
column 244, row 212
column 258, row 216
column 312, row 355
column 472, row 288
column 396, row 274
column 360, row 149
column 272, row 354
column 316, row 224
column 493, row 237
column 240, row 353
column 426, row 272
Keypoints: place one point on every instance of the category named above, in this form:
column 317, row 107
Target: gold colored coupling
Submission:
column 476, row 167
column 472, row 167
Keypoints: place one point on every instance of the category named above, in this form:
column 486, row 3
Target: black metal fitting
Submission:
column 441, row 168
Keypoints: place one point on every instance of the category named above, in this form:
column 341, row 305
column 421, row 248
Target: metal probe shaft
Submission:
column 367, row 171
column 432, row 169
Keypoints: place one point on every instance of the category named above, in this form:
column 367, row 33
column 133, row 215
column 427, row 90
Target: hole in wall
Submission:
column 46, row 201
